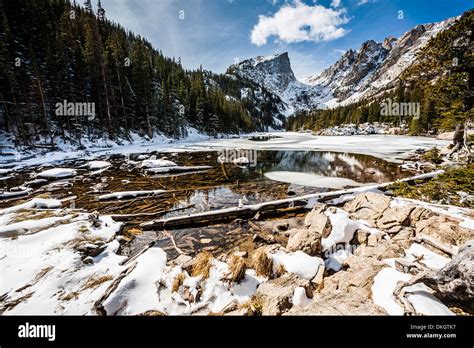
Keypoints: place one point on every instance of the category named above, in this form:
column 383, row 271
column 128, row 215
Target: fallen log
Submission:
column 125, row 217
column 177, row 169
column 247, row 211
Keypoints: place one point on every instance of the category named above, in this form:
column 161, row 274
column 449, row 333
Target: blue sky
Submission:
column 215, row 33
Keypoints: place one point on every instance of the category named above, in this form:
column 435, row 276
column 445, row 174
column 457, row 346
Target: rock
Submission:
column 267, row 238
column 372, row 240
column 241, row 312
column 277, row 294
column 445, row 229
column 384, row 249
column 367, row 206
column 395, row 217
column 347, row 292
column 403, row 238
column 283, row 226
column 339, row 303
column 318, row 222
column 319, row 278
column 185, row 261
column 449, row 135
column 205, row 241
column 91, row 249
column 88, row 260
column 306, row 240
column 362, row 237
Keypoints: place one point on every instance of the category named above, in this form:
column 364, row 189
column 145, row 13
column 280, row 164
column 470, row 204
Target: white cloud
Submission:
column 335, row 3
column 300, row 22
column 363, row 2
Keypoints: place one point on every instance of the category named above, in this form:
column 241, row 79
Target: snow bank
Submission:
column 299, row 297
column 419, row 295
column 428, row 257
column 385, row 283
column 422, row 299
column 149, row 286
column 343, row 229
column 45, row 274
column 298, row 262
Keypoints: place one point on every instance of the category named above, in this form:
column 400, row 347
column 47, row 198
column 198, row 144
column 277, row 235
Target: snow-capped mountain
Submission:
column 275, row 74
column 372, row 69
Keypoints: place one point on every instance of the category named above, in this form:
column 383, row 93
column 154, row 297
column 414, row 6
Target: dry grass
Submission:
column 45, row 195
column 76, row 242
column 42, row 273
column 94, row 282
column 237, row 268
column 134, row 232
column 25, row 215
column 152, row 313
column 280, row 271
column 254, row 306
column 83, row 229
column 70, row 296
column 202, row 265
column 178, row 281
column 261, row 263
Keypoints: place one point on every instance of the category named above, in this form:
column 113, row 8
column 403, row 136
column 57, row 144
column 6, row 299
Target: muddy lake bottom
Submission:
column 225, row 185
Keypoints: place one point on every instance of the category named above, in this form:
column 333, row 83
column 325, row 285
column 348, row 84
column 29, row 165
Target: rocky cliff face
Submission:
column 275, row 74
column 373, row 68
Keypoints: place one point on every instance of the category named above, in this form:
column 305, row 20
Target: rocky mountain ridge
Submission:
column 357, row 75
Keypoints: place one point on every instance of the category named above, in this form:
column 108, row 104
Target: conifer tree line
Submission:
column 56, row 50
column 441, row 81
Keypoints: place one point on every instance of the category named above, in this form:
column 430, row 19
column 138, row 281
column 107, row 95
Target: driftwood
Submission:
column 99, row 304
column 177, row 169
column 247, row 211
column 214, row 216
column 437, row 244
column 451, row 283
column 170, row 236
column 126, row 217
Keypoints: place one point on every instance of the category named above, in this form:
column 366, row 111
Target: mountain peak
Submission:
column 278, row 63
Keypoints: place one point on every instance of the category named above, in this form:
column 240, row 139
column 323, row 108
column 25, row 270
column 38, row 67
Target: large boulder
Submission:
column 347, row 292
column 394, row 219
column 383, row 249
column 306, row 240
column 445, row 229
column 367, row 206
column 339, row 303
column 318, row 222
column 277, row 294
